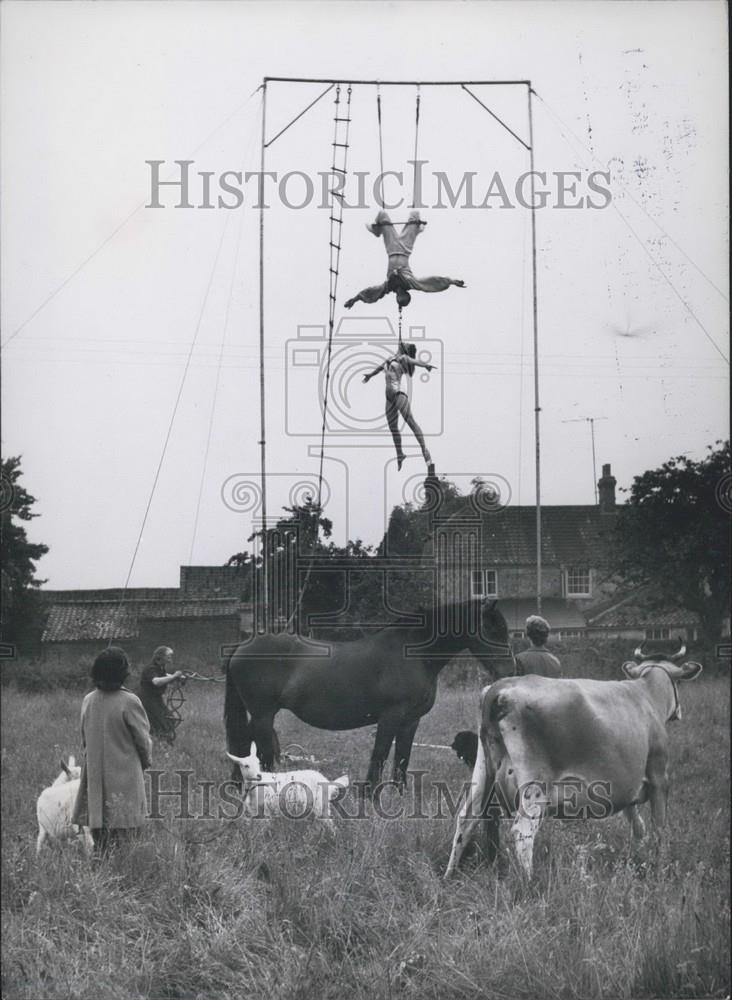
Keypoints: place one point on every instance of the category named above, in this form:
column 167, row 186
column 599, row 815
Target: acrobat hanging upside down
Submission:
column 399, row 277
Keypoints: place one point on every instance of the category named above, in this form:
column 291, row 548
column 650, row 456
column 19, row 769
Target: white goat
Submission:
column 55, row 806
column 286, row 793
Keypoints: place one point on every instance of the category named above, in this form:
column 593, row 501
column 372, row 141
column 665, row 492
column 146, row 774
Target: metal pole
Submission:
column 262, row 441
column 594, row 464
column 537, row 407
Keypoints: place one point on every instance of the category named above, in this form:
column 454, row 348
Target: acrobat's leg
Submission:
column 371, row 294
column 411, row 230
column 435, row 284
column 392, row 416
column 406, row 412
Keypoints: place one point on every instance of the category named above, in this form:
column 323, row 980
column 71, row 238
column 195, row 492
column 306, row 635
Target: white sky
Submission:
column 90, row 91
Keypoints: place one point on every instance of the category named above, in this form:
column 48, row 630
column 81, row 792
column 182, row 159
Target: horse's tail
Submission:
column 236, row 717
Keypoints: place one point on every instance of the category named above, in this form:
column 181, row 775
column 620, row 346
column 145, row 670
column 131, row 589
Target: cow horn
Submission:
column 681, row 652
column 638, row 654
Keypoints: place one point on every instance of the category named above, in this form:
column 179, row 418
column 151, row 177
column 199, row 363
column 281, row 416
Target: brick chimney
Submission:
column 606, row 491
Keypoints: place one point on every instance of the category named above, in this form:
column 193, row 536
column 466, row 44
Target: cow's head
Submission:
column 659, row 649
column 676, row 671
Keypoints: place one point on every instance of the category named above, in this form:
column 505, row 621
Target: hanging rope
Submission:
column 416, row 146
column 217, row 384
column 642, row 243
column 174, row 700
column 171, row 422
column 108, row 239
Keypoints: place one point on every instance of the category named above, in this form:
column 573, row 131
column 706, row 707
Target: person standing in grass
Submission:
column 115, row 737
column 537, row 659
column 154, row 680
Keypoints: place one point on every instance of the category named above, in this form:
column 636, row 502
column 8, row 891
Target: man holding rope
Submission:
column 154, row 680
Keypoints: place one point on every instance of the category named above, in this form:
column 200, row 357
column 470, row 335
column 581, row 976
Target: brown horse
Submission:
column 388, row 678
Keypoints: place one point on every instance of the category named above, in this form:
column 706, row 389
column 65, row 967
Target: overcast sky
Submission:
column 104, row 299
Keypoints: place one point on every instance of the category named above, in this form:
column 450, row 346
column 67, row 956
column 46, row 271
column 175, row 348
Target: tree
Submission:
column 19, row 586
column 674, row 533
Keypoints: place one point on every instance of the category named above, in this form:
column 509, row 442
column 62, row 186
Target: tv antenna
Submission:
column 591, row 422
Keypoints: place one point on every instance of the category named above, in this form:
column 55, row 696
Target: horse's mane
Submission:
column 460, row 611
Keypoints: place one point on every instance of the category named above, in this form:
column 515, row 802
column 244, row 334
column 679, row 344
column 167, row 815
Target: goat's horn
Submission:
column 638, row 654
column 681, row 652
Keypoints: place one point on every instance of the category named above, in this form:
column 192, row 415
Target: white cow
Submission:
column 55, row 806
column 285, row 793
column 572, row 748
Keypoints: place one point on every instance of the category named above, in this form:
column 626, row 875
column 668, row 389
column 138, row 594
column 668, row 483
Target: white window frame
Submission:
column 570, row 633
column 487, row 580
column 660, row 632
column 577, row 570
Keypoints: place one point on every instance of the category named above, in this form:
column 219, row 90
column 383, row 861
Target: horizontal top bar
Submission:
column 401, row 83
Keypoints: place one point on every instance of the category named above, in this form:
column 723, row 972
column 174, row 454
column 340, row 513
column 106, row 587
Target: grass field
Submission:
column 206, row 908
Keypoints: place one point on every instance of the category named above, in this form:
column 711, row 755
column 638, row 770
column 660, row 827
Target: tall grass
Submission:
column 283, row 909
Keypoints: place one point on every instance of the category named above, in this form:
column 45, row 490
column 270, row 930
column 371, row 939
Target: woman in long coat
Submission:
column 115, row 736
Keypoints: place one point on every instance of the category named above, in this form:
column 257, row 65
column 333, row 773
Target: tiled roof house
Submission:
column 205, row 613
column 492, row 553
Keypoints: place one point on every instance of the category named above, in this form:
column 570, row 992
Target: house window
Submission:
column 657, row 633
column 517, row 635
column 484, row 583
column 577, row 581
column 570, row 633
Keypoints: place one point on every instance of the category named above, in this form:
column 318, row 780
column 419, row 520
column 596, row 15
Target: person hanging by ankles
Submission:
column 397, row 402
column 115, row 737
column 399, row 277
column 537, row 659
column 154, row 680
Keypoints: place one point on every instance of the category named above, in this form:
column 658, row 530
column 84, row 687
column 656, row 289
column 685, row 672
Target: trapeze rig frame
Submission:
column 464, row 84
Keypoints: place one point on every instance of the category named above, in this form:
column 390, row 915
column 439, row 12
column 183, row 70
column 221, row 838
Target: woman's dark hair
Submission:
column 110, row 669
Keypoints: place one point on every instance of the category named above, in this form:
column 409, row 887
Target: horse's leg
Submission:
column 385, row 732
column 264, row 735
column 402, row 752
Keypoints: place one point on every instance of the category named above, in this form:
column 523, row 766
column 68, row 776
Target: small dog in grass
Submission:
column 465, row 746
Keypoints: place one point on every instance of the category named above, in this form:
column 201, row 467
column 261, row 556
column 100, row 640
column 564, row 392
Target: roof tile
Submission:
column 79, row 620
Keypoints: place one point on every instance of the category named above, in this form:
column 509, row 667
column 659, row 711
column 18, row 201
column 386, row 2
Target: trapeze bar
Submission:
column 402, row 83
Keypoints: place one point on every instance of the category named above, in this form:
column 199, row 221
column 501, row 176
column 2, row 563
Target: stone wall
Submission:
column 197, row 642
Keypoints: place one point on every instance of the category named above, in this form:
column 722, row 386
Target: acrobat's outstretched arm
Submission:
column 376, row 371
